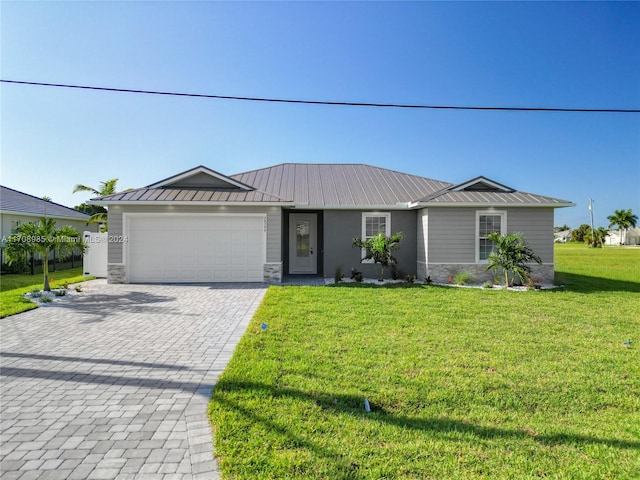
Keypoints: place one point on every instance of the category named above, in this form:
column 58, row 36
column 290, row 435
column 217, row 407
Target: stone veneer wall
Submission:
column 440, row 273
column 273, row 272
column 116, row 273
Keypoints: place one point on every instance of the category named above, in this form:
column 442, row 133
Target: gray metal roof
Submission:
column 327, row 185
column 340, row 185
column 157, row 195
column 494, row 198
column 484, row 191
column 13, row 201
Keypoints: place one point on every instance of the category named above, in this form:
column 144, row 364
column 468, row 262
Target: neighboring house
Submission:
column 562, row 237
column 203, row 226
column 615, row 237
column 18, row 207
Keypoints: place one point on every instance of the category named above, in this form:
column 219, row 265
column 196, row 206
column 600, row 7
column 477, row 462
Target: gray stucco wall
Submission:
column 342, row 226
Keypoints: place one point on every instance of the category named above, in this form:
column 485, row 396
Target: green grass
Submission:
column 13, row 288
column 463, row 383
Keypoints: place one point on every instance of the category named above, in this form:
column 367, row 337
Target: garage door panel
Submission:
column 196, row 249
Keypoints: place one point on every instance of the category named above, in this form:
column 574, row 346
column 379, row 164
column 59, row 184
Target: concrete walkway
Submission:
column 114, row 383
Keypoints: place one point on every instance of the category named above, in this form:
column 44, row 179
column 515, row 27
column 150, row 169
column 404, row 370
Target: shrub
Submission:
column 379, row 250
column 460, row 278
column 60, row 292
column 356, row 275
column 410, row 278
column 512, row 255
column 338, row 276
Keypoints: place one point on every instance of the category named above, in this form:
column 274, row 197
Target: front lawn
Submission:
column 13, row 287
column 462, row 383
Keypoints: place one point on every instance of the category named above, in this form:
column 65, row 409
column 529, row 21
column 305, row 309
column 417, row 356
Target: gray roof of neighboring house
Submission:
column 15, row 202
column 326, row 186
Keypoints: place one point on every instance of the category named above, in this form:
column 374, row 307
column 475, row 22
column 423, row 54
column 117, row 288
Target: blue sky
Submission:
column 580, row 55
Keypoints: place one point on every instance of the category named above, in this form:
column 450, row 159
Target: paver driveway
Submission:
column 115, row 382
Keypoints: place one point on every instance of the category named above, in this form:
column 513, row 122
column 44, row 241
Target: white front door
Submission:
column 302, row 243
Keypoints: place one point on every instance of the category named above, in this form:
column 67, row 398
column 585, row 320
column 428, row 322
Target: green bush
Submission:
column 460, row 278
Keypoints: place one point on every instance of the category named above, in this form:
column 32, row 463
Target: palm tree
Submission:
column 511, row 255
column 598, row 237
column 624, row 219
column 43, row 238
column 106, row 188
column 379, row 249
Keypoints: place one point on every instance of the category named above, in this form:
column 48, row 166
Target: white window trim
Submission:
column 503, row 227
column 363, row 232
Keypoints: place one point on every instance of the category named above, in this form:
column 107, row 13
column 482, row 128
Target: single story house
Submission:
column 203, row 226
column 563, row 236
column 19, row 207
column 629, row 237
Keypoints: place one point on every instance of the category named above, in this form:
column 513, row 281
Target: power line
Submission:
column 320, row 102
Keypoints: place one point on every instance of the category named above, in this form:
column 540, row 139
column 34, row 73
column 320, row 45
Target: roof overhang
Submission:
column 47, row 215
column 177, row 203
column 495, row 205
column 306, row 206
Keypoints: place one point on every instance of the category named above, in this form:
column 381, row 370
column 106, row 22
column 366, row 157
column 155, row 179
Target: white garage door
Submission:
column 203, row 248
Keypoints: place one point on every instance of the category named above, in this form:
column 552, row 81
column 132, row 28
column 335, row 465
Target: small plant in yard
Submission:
column 379, row 249
column 487, row 285
column 78, row 288
column 46, row 299
column 65, row 285
column 460, row 278
column 395, row 273
column 338, row 276
column 410, row 278
column 356, row 275
column 511, row 255
column 35, row 293
column 428, row 280
column 60, row 292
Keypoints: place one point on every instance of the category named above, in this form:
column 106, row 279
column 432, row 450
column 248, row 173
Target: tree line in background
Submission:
column 622, row 219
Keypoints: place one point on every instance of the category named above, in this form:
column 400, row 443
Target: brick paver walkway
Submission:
column 114, row 383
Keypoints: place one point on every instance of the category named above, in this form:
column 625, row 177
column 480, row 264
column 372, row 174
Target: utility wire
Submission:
column 319, row 102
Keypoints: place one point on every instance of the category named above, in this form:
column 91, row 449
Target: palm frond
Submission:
column 83, row 188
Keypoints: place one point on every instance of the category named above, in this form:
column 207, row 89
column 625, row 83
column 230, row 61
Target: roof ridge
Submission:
column 341, row 164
